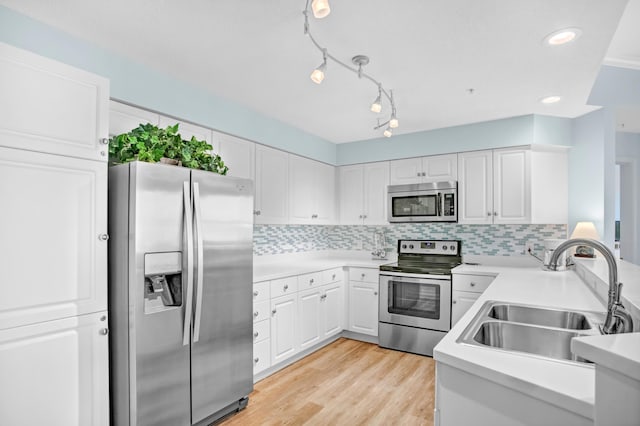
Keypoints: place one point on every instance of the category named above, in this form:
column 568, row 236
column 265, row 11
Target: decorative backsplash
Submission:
column 489, row 240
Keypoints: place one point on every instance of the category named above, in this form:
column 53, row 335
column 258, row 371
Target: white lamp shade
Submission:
column 585, row 230
column 320, row 8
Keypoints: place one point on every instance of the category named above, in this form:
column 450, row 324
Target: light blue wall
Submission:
column 140, row 85
column 552, row 130
column 586, row 171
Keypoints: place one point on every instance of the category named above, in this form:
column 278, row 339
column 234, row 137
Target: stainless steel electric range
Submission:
column 415, row 295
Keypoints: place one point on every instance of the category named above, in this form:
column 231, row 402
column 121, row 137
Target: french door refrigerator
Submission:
column 180, row 254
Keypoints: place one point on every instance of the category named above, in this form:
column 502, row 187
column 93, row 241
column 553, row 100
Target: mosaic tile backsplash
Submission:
column 488, row 240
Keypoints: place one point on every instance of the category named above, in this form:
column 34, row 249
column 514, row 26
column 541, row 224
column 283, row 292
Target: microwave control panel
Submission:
column 446, row 247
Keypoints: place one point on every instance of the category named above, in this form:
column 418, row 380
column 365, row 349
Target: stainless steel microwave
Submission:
column 423, row 202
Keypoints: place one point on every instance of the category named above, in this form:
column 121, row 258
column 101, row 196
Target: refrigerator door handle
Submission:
column 188, row 222
column 200, row 260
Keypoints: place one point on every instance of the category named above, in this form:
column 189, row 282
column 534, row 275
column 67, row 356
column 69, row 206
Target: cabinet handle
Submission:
column 255, row 334
column 424, row 173
column 256, row 360
column 273, row 311
column 103, row 237
column 375, row 293
column 255, row 293
column 364, row 216
column 360, row 217
column 257, row 212
column 104, row 331
column 333, row 277
column 418, row 174
column 104, row 141
column 311, row 281
column 488, row 213
column 454, row 301
column 472, row 284
column 256, row 313
column 362, row 275
column 495, row 213
column 286, row 287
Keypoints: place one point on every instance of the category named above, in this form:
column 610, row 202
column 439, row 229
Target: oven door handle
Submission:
column 439, row 205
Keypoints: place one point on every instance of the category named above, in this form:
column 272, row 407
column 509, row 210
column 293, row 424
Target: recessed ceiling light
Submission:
column 563, row 36
column 551, row 99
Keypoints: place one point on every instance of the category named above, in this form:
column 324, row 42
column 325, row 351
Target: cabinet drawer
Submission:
column 331, row 275
column 261, row 356
column 474, row 283
column 261, row 291
column 284, row 286
column 309, row 280
column 368, row 275
column 260, row 311
column 261, row 331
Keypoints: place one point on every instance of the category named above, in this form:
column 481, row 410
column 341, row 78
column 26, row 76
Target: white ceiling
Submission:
column 429, row 52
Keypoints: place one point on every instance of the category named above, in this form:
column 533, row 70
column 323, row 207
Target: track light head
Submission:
column 376, row 106
column 393, row 123
column 320, row 8
column 318, row 74
column 388, row 132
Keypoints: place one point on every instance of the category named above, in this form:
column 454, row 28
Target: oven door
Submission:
column 415, row 300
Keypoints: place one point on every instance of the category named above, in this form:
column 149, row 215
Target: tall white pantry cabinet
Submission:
column 53, row 243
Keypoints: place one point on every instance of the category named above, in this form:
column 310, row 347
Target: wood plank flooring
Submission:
column 345, row 383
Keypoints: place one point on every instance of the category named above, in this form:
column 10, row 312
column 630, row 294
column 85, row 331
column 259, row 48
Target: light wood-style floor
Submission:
column 345, row 383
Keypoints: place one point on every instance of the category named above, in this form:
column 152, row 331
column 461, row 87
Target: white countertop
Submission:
column 618, row 352
column 568, row 385
column 285, row 265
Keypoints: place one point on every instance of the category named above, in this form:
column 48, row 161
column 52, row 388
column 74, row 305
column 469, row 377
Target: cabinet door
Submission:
column 405, row 171
column 309, row 317
column 53, row 228
column 238, row 154
column 511, row 186
column 440, row 168
column 363, row 307
column 124, row 118
column 301, row 189
column 332, row 309
column 324, row 190
column 272, row 179
column 284, row 315
column 376, row 180
column 51, row 107
column 475, row 187
column 461, row 301
column 56, row 372
column 351, row 191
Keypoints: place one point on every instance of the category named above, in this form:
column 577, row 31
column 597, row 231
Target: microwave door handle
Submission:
column 439, row 205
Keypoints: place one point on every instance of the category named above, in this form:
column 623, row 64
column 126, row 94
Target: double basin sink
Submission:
column 534, row 330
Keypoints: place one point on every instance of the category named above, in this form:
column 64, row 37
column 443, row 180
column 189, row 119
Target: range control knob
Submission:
column 444, row 248
column 404, row 246
column 452, row 247
column 410, row 246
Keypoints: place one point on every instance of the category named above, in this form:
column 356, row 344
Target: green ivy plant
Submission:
column 151, row 144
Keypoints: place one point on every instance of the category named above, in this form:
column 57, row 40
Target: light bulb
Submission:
column 320, row 8
column 393, row 123
column 376, row 106
column 318, row 74
column 551, row 99
column 388, row 132
column 563, row 36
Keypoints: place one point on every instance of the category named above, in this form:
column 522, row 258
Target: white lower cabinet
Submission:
column 363, row 300
column 261, row 356
column 309, row 317
column 466, row 290
column 58, row 371
column 284, row 315
column 332, row 309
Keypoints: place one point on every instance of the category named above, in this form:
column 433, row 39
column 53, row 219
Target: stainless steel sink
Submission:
column 547, row 342
column 540, row 316
column 533, row 330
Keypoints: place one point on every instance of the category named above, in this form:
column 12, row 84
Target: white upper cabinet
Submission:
column 311, row 191
column 238, row 154
column 271, row 182
column 363, row 193
column 51, row 107
column 53, row 224
column 513, row 186
column 124, row 118
column 433, row 168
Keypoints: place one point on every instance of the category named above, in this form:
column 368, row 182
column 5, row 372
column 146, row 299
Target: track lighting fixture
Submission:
column 321, row 9
column 318, row 74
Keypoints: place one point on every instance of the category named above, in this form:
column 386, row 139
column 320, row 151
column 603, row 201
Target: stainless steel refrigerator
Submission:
column 180, row 277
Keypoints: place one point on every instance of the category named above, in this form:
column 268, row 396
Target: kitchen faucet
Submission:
column 618, row 319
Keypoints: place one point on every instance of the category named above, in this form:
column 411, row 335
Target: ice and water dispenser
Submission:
column 162, row 281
